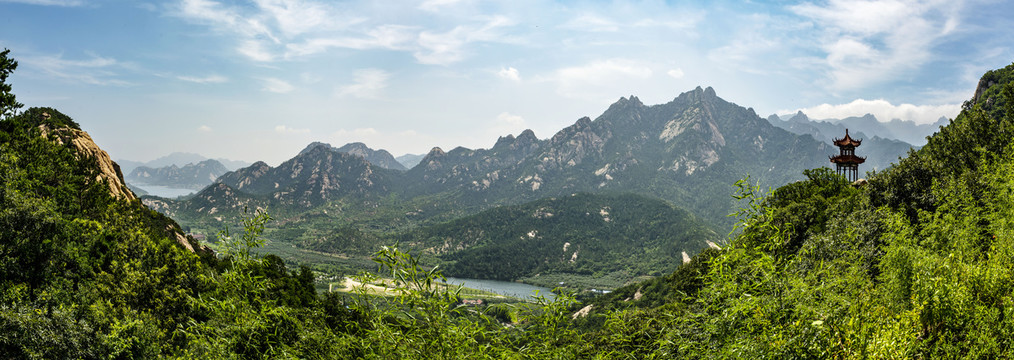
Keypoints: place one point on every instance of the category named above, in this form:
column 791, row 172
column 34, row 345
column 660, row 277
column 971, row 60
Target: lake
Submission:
column 513, row 289
column 164, row 191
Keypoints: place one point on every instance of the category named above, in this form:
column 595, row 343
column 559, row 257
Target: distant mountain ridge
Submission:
column 880, row 152
column 410, row 160
column 190, row 176
column 318, row 174
column 180, row 159
column 895, row 129
column 380, row 158
column 688, row 151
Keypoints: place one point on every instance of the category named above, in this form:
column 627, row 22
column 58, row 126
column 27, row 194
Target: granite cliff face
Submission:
column 81, row 142
column 63, row 131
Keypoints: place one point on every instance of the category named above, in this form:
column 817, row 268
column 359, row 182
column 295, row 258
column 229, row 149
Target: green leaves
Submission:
column 8, row 105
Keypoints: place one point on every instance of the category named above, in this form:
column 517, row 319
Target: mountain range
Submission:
column 190, row 176
column 688, row 153
column 880, row 152
column 380, row 158
column 904, row 131
column 179, row 159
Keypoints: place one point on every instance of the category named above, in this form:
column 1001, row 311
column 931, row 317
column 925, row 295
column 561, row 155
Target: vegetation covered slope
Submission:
column 582, row 234
column 915, row 264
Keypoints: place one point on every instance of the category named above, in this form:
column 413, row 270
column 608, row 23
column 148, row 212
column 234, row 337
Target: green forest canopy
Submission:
column 914, row 264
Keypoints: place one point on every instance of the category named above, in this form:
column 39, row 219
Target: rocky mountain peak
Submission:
column 527, row 135
column 800, row 117
column 504, row 141
column 433, row 157
column 380, row 158
column 314, row 145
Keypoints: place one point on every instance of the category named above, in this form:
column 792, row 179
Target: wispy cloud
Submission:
column 449, row 47
column 277, row 86
column 273, row 30
column 95, row 71
column 391, row 37
column 436, row 5
column 204, row 129
column 598, row 78
column 884, row 111
column 870, row 42
column 509, row 73
column 64, row 3
column 507, row 123
column 368, row 84
column 676, row 73
column 210, row 79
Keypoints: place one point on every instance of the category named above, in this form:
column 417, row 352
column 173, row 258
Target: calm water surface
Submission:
column 518, row 290
column 165, row 191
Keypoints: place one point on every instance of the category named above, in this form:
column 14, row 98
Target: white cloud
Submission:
column 95, row 71
column 448, row 47
column 436, row 5
column 868, row 42
column 368, row 84
column 509, row 119
column 273, row 30
column 509, row 73
column 64, row 3
column 507, row 123
column 295, row 17
column 676, row 73
column 277, row 86
column 204, row 128
column 599, row 78
column 591, row 23
column 392, row 37
column 255, row 50
column 282, row 129
column 210, row 79
column 884, row 111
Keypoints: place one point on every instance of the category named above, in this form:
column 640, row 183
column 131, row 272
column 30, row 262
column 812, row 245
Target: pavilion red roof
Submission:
column 847, row 159
column 847, row 141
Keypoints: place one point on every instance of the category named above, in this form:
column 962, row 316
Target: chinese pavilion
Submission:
column 847, row 161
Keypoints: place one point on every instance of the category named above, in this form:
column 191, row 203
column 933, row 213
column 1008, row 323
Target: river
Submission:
column 513, row 289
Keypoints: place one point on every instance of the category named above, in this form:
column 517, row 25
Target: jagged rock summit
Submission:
column 381, row 158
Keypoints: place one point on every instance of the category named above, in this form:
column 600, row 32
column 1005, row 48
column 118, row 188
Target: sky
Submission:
column 259, row 80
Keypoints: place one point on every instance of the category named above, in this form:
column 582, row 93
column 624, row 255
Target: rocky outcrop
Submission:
column 85, row 147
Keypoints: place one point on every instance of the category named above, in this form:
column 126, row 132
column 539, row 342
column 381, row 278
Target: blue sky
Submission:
column 258, row 80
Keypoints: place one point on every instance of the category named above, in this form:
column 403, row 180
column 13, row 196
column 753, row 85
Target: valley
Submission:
column 619, row 214
column 661, row 174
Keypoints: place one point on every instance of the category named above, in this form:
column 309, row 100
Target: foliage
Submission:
column 8, row 104
column 916, row 264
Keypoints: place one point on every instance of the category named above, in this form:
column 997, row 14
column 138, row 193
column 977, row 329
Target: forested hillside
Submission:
column 914, row 264
column 581, row 236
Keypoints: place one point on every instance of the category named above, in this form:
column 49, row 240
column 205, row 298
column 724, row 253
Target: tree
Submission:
column 8, row 105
